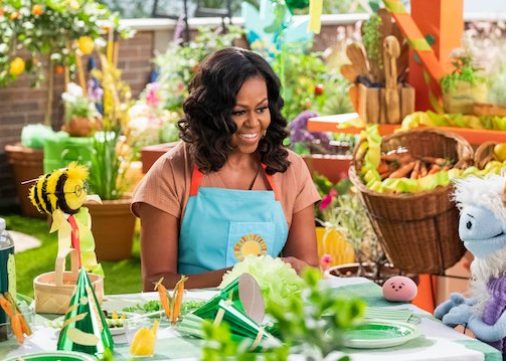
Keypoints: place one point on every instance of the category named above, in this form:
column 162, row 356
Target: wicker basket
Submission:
column 53, row 290
column 418, row 232
column 484, row 154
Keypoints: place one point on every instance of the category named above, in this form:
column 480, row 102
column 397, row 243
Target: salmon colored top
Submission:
column 166, row 186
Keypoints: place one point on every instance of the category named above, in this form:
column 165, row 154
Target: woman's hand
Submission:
column 297, row 264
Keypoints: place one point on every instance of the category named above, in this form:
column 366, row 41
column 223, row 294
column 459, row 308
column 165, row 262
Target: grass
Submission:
column 120, row 277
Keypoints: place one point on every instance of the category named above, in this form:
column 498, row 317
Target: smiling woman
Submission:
column 229, row 189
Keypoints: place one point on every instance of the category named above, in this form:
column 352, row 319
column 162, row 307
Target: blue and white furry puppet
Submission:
column 482, row 228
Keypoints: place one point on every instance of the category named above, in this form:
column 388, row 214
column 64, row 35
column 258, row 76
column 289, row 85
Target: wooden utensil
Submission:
column 391, row 51
column 349, row 72
column 353, row 94
column 356, row 54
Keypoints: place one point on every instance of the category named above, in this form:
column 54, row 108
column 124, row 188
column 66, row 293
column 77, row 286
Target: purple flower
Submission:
column 299, row 133
column 95, row 92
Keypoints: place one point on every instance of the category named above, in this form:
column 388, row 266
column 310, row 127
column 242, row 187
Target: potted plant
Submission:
column 328, row 154
column 349, row 217
column 81, row 117
column 112, row 222
column 37, row 39
column 26, row 160
column 330, row 240
column 33, row 31
column 464, row 86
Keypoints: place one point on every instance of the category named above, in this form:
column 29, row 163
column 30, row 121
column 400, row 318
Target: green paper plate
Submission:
column 380, row 334
column 54, row 356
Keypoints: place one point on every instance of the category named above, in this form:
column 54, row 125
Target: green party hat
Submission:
column 244, row 293
column 242, row 328
column 84, row 328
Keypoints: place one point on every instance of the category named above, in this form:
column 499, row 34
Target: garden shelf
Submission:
column 331, row 124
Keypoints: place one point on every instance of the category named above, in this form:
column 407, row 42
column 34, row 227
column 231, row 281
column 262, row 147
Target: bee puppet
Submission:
column 61, row 194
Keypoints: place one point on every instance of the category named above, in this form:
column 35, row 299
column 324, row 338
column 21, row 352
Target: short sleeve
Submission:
column 162, row 187
column 307, row 193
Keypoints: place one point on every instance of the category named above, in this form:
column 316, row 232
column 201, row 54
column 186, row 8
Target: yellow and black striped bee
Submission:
column 62, row 189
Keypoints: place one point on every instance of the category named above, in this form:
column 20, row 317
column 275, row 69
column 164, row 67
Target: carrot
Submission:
column 6, row 306
column 17, row 328
column 415, row 174
column 434, row 160
column 403, row 171
column 164, row 297
column 385, row 175
column 434, row 169
column 178, row 299
column 383, row 167
column 423, row 170
column 25, row 328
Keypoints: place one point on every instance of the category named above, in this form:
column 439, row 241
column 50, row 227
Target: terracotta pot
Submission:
column 151, row 153
column 27, row 164
column 334, row 167
column 112, row 225
column 81, row 127
column 368, row 270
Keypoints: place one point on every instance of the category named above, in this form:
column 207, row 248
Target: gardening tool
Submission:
column 391, row 51
column 356, row 54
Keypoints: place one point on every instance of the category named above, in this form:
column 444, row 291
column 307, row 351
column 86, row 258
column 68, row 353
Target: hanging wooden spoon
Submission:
column 391, row 51
column 349, row 72
column 357, row 56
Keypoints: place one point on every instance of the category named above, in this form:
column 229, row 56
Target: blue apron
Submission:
column 222, row 226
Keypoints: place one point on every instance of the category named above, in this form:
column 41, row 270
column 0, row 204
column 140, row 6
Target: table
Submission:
column 437, row 343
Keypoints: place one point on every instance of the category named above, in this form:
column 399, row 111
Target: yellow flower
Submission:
column 86, row 45
column 17, row 66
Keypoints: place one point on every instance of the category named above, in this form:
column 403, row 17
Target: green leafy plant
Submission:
column 302, row 77
column 314, row 321
column 464, row 70
column 310, row 323
column 108, row 166
column 371, row 39
column 179, row 63
column 45, row 28
column 276, row 279
column 76, row 104
column 349, row 216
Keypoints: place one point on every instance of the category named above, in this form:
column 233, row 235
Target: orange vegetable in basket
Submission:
column 403, row 171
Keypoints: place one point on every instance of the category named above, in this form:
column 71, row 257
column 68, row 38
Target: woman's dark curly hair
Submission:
column 208, row 125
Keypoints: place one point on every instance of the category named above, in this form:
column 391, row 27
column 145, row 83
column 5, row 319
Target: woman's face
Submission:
column 251, row 115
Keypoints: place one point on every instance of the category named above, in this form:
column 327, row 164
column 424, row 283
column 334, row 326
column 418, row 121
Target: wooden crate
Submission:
column 372, row 105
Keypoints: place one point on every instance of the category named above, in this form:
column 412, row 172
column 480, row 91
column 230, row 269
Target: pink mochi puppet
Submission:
column 399, row 288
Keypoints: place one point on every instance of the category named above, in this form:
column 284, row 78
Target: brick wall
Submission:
column 21, row 104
